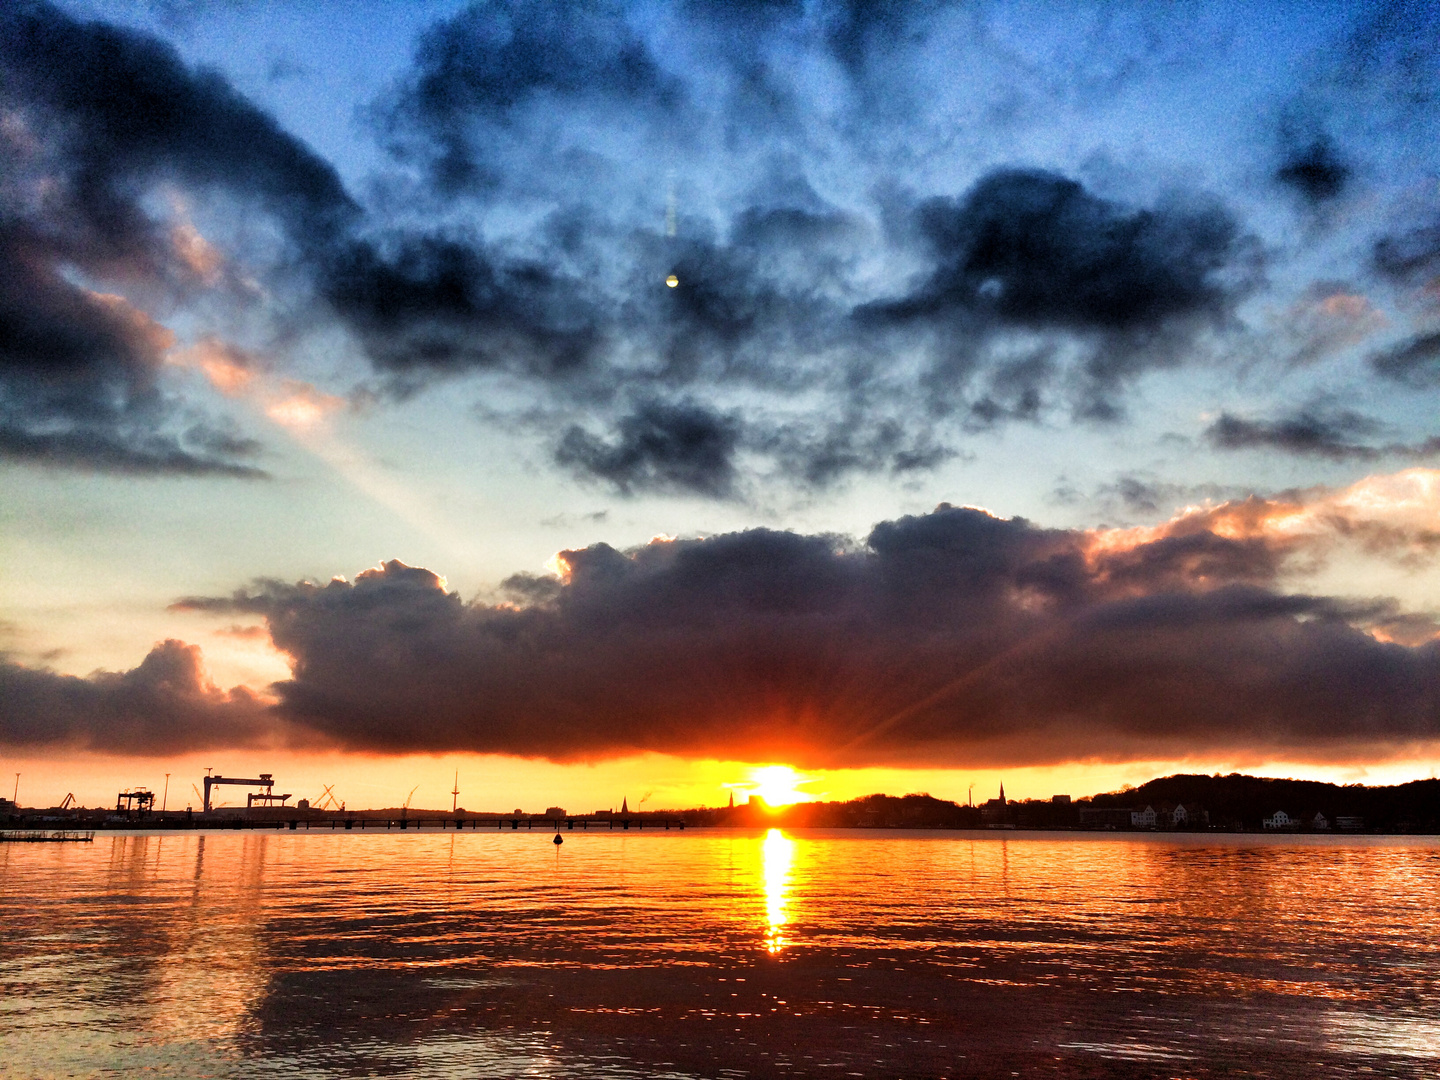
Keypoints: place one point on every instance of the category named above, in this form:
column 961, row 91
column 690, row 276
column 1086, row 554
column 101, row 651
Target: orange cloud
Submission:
column 230, row 369
column 1396, row 514
column 235, row 372
column 155, row 337
column 1325, row 321
column 197, row 253
column 301, row 405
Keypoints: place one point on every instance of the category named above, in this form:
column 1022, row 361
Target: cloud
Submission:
column 1389, row 515
column 1313, row 432
column 1330, row 316
column 660, row 447
column 597, row 123
column 428, row 304
column 946, row 638
column 98, row 121
column 1132, row 493
column 1035, row 249
column 479, row 73
column 1309, row 432
column 1316, row 171
column 1415, row 362
column 554, row 163
column 166, row 705
column 1411, row 256
column 1032, row 251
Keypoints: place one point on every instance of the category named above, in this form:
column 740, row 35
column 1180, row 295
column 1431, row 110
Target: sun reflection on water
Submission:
column 327, row 955
column 777, row 854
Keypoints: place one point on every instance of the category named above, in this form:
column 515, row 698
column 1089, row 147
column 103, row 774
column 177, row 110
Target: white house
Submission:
column 1280, row 820
column 1143, row 819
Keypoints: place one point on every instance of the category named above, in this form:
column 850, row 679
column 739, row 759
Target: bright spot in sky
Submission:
column 672, row 281
column 778, row 785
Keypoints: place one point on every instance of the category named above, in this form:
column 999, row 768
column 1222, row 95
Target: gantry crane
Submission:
column 264, row 780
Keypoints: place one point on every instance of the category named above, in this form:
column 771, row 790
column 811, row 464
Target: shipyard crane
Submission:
column 264, row 780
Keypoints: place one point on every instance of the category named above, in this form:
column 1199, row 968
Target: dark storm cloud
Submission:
column 1034, row 251
column 98, row 119
column 687, row 448
column 1411, row 256
column 1415, row 362
column 1316, row 171
column 1308, row 432
column 441, row 304
column 493, row 60
column 133, row 452
column 857, row 29
column 539, row 148
column 820, row 455
column 660, row 447
column 772, row 304
column 164, row 706
column 1314, row 432
column 945, row 637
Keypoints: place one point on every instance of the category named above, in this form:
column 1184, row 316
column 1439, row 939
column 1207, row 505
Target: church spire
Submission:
column 624, row 806
column 1002, row 793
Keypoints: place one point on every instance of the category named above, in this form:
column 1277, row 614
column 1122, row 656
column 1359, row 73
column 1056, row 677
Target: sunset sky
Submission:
column 607, row 400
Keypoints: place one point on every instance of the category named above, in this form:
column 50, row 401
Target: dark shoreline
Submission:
column 1183, row 803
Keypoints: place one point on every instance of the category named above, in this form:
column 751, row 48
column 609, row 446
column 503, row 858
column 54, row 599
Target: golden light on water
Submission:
column 777, row 853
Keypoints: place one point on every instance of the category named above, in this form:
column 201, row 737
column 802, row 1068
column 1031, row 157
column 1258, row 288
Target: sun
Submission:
column 778, row 785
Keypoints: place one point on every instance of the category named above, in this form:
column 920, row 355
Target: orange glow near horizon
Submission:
column 492, row 782
column 779, row 785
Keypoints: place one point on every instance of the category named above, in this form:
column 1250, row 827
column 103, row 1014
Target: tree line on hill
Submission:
column 1226, row 803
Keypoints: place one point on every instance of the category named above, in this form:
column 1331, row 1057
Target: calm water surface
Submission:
column 724, row 954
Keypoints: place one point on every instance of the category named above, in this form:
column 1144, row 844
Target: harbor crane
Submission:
column 264, row 780
column 138, row 802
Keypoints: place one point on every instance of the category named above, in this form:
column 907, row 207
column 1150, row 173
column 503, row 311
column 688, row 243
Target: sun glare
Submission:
column 777, row 853
column 778, row 785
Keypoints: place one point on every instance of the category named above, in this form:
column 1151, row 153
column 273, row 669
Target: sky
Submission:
column 611, row 400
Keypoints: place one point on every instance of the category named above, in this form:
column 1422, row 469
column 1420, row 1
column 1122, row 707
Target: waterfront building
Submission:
column 1105, row 817
column 1143, row 819
column 1279, row 820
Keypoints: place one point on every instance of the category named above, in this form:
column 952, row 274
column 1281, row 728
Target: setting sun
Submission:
column 779, row 785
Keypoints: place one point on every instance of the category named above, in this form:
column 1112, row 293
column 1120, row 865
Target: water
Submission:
column 719, row 954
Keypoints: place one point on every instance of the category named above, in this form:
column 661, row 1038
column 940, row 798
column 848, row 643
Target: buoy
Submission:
column 559, row 839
